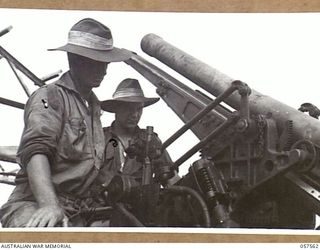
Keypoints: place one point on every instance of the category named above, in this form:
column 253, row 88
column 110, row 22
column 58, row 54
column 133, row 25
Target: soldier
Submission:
column 62, row 145
column 125, row 141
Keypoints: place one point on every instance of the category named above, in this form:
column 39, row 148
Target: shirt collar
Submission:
column 67, row 82
column 111, row 129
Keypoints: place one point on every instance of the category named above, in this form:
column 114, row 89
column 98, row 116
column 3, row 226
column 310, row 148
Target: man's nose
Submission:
column 104, row 70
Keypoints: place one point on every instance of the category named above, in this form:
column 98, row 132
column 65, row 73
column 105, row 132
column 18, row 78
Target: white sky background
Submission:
column 276, row 54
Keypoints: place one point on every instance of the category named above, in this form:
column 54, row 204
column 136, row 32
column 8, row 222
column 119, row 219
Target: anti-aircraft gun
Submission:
column 259, row 163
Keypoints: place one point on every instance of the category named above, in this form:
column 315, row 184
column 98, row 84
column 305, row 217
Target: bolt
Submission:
column 242, row 125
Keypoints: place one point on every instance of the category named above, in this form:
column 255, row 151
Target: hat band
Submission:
column 89, row 40
column 129, row 92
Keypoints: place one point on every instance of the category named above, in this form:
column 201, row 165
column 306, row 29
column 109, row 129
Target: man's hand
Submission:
column 49, row 212
column 48, row 216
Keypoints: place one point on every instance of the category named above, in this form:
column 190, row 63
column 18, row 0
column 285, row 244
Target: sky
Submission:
column 275, row 54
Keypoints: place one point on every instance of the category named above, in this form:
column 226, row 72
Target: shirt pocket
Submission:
column 74, row 144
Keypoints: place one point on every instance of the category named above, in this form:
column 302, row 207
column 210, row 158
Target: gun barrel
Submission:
column 215, row 82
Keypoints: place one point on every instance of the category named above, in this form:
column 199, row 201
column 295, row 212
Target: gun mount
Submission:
column 265, row 155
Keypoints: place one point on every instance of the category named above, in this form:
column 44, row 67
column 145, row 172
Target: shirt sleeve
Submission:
column 42, row 124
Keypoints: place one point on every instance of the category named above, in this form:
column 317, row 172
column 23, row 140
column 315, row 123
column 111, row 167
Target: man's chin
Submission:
column 96, row 85
column 131, row 125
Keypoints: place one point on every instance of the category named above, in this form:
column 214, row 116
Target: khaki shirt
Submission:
column 59, row 124
column 117, row 161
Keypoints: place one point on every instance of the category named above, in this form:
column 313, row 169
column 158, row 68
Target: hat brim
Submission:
column 112, row 105
column 114, row 55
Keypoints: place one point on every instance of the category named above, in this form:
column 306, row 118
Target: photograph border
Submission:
column 214, row 6
column 225, row 6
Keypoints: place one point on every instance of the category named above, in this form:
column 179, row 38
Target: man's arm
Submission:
column 49, row 213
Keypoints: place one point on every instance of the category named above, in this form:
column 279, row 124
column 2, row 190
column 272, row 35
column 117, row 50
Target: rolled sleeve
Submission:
column 43, row 121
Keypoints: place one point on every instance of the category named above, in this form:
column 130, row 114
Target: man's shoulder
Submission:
column 107, row 131
column 141, row 133
column 63, row 84
column 111, row 141
column 144, row 132
column 50, row 93
column 54, row 86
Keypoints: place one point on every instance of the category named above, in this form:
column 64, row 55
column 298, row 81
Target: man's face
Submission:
column 88, row 72
column 128, row 114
